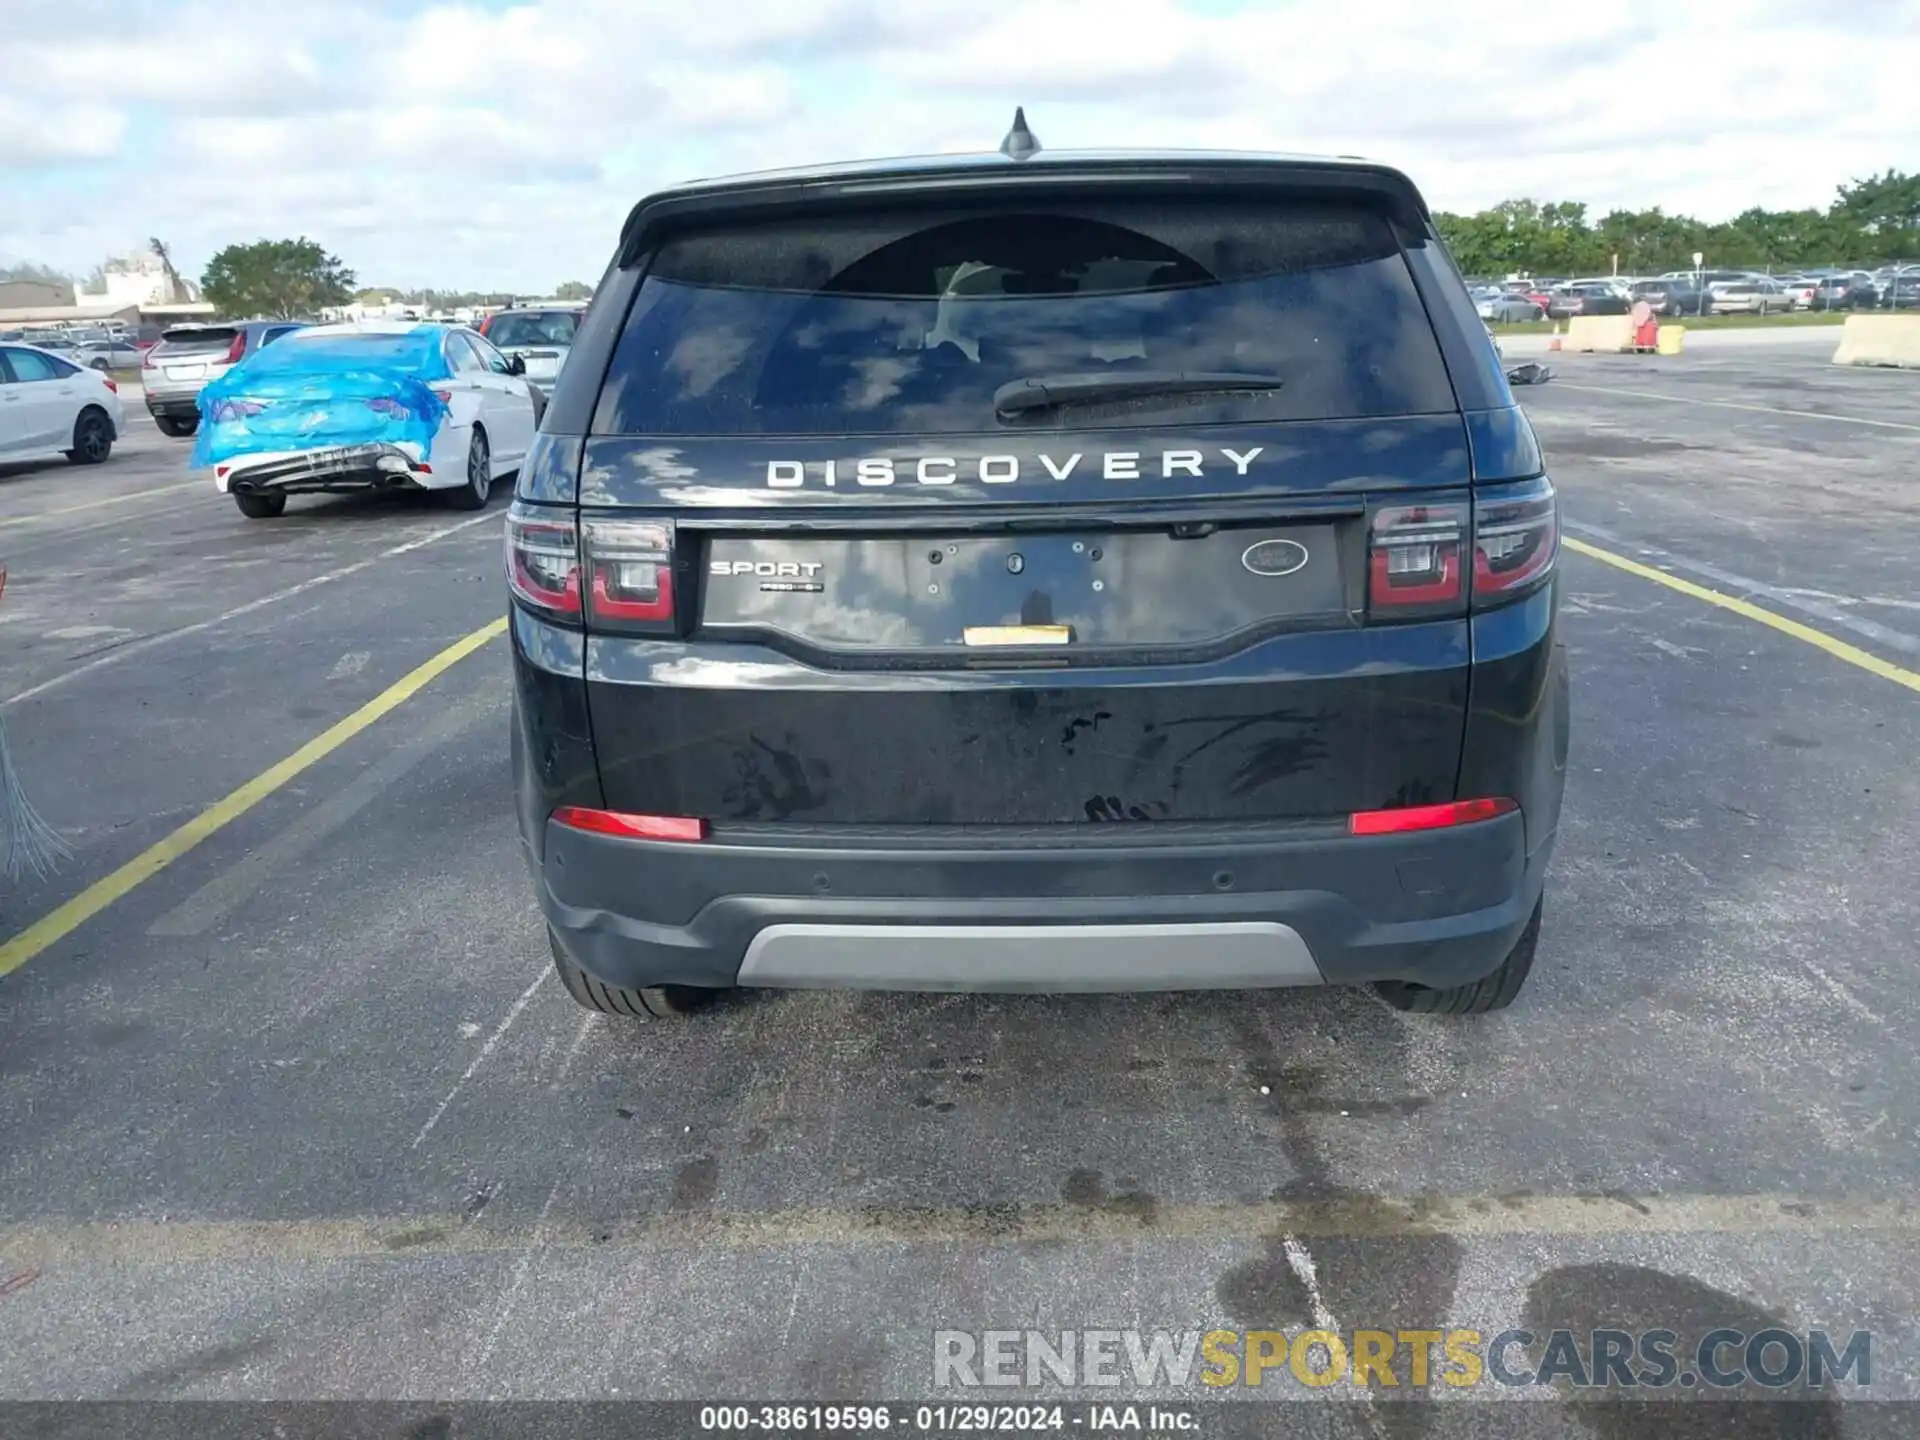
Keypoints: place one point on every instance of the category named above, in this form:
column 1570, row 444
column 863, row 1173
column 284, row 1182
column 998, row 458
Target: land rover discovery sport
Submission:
column 1037, row 571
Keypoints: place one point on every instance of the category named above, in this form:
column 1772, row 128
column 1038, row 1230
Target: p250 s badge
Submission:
column 1274, row 557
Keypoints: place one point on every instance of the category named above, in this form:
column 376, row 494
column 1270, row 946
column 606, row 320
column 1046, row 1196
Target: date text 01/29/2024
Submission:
column 862, row 1420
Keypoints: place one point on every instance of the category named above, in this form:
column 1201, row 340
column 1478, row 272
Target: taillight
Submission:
column 630, row 569
column 1408, row 818
column 112, row 384
column 1414, row 561
column 1516, row 534
column 388, row 407
column 543, row 561
column 445, row 397
column 631, row 827
column 235, row 410
column 236, row 349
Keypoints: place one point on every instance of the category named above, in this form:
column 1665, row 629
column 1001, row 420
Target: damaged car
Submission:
column 396, row 405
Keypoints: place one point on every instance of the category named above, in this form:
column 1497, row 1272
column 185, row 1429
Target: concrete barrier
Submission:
column 1594, row 334
column 1880, row 340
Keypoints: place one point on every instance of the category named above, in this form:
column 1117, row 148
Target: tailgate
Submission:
column 1041, row 511
column 1195, row 649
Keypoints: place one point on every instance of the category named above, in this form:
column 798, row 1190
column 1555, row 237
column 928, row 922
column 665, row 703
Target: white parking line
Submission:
column 1737, row 405
column 493, row 1041
column 113, row 657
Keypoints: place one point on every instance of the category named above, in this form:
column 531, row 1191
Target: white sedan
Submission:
column 50, row 406
column 379, row 405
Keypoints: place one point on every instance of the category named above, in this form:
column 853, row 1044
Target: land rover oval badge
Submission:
column 1274, row 557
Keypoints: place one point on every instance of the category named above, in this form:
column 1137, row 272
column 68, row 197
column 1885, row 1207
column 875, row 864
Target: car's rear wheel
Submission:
column 265, row 506
column 92, row 437
column 473, row 495
column 171, row 425
column 1489, row 992
column 653, row 1002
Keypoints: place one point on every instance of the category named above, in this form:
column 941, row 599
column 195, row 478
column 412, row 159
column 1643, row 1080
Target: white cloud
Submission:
column 39, row 134
column 481, row 144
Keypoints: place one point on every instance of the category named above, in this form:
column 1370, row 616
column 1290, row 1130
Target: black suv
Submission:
column 1674, row 297
column 1035, row 571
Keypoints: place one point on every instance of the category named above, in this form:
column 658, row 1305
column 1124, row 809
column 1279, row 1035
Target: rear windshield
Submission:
column 307, row 348
column 546, row 328
column 907, row 324
column 208, row 338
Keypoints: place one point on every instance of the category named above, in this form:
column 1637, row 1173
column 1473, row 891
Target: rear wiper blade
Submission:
column 1052, row 392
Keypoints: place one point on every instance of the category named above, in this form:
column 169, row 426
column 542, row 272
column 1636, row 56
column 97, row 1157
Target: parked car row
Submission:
column 96, row 350
column 1680, row 293
column 188, row 358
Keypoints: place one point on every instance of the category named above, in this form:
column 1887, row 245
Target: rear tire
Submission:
column 177, row 428
column 1488, row 993
column 474, row 494
column 92, row 437
column 261, row 507
column 653, row 1002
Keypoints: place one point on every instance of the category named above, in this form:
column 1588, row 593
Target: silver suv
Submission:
column 542, row 337
column 174, row 372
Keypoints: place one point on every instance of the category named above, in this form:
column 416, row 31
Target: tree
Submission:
column 1886, row 207
column 573, row 290
column 1870, row 220
column 43, row 274
column 1882, row 202
column 176, row 287
column 284, row 279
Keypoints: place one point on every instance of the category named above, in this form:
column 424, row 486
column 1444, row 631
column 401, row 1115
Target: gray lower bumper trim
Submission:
column 1238, row 955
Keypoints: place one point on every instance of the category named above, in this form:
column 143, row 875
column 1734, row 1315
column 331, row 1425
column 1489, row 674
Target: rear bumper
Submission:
column 174, row 404
column 345, row 467
column 952, row 909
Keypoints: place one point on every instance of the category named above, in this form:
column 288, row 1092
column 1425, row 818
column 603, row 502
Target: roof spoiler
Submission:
column 944, row 183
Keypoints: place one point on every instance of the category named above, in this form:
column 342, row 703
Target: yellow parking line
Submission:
column 1737, row 405
column 1491, row 1217
column 150, row 862
column 97, row 504
column 1839, row 649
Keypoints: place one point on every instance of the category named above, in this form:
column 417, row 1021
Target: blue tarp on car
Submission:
column 322, row 391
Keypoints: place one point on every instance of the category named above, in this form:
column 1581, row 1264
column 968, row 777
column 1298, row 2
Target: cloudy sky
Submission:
column 498, row 143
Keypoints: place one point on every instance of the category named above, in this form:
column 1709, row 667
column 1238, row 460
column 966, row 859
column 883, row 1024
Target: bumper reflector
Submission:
column 631, row 827
column 1427, row 817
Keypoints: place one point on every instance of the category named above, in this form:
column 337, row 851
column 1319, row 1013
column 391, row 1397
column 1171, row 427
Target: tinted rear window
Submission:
column 302, row 349
column 553, row 327
column 907, row 324
column 211, row 338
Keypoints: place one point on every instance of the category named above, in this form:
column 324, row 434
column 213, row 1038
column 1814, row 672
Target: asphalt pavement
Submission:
column 294, row 1107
